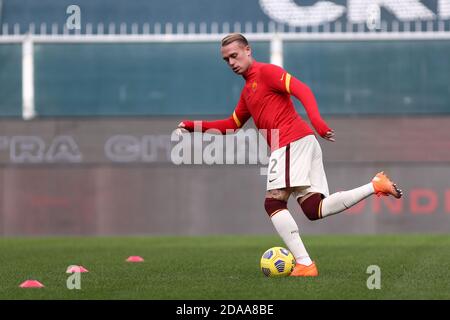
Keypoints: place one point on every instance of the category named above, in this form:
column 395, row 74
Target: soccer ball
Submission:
column 276, row 262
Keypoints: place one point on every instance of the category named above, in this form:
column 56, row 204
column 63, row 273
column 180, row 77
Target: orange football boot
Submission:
column 300, row 270
column 384, row 186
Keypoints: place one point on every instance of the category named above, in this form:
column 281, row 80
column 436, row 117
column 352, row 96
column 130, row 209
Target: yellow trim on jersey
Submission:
column 236, row 119
column 288, row 83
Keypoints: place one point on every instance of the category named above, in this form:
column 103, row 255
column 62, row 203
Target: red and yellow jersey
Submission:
column 266, row 97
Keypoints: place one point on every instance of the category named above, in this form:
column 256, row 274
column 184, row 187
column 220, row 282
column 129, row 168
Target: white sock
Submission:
column 339, row 201
column 288, row 230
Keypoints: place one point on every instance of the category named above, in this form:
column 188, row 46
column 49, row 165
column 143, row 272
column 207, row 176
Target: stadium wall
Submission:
column 115, row 176
column 105, row 97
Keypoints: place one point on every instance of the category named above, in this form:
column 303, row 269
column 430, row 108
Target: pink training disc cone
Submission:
column 72, row 269
column 135, row 259
column 31, row 284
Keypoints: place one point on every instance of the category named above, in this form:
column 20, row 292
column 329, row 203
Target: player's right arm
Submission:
column 233, row 123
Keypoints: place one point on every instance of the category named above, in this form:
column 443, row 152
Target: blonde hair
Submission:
column 232, row 37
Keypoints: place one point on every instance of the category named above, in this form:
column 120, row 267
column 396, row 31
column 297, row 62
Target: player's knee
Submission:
column 312, row 206
column 279, row 194
column 273, row 206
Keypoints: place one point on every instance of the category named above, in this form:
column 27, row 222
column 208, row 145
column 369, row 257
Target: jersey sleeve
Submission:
column 281, row 81
column 234, row 122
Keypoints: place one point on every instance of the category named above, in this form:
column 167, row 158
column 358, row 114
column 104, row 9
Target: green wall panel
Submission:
column 10, row 80
column 135, row 79
column 378, row 77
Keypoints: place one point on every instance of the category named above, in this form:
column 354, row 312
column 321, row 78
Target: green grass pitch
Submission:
column 225, row 267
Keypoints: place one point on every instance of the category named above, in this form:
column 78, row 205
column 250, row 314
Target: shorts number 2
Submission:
column 272, row 169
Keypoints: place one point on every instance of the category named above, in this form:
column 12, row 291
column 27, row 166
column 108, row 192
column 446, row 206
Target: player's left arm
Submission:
column 282, row 81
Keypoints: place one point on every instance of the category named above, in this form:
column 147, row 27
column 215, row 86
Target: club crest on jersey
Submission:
column 254, row 85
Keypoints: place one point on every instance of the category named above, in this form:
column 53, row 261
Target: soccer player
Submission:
column 295, row 165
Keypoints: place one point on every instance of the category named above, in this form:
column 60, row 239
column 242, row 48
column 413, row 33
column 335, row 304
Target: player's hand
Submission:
column 330, row 136
column 181, row 128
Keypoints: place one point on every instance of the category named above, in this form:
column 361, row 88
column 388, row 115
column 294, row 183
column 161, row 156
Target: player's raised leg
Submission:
column 338, row 202
column 284, row 223
column 316, row 206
